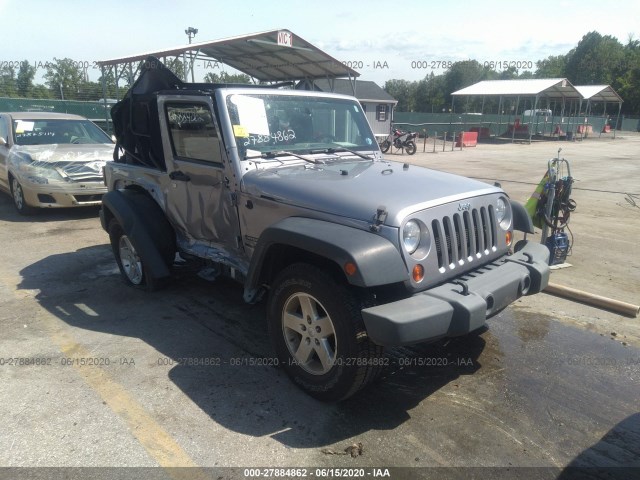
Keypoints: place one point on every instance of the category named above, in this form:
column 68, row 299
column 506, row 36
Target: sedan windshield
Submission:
column 293, row 123
column 57, row 131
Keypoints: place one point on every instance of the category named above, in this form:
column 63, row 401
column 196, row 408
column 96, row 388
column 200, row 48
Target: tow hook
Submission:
column 465, row 287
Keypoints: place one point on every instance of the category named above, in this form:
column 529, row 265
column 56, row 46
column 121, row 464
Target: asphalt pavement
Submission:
column 97, row 374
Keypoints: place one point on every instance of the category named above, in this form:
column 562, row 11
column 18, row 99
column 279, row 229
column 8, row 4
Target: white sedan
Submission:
column 51, row 160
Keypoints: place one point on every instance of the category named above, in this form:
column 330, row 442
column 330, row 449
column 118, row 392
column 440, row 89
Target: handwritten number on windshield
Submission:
column 275, row 137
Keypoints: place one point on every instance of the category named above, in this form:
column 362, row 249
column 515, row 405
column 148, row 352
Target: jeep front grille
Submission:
column 465, row 236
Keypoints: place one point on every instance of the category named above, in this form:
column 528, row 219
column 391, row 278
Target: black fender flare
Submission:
column 144, row 222
column 521, row 219
column 377, row 260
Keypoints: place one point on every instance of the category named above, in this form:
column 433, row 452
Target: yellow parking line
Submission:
column 158, row 443
column 154, row 439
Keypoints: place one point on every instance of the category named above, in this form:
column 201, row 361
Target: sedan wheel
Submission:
column 18, row 198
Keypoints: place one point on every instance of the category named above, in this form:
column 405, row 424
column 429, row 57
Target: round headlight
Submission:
column 411, row 236
column 503, row 213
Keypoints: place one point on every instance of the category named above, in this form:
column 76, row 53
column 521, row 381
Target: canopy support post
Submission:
column 515, row 115
column 533, row 113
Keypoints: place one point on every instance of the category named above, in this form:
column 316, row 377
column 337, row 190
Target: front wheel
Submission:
column 384, row 146
column 18, row 199
column 317, row 331
column 410, row 147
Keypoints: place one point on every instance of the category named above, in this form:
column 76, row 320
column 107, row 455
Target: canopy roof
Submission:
column 548, row 87
column 272, row 56
column 599, row 93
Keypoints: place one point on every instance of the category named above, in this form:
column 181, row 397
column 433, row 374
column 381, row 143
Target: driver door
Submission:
column 199, row 199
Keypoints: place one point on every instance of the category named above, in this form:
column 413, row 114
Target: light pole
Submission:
column 191, row 32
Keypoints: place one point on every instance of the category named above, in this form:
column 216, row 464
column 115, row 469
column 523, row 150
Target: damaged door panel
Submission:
column 199, row 201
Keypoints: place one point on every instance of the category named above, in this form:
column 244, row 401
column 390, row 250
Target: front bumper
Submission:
column 462, row 305
column 63, row 195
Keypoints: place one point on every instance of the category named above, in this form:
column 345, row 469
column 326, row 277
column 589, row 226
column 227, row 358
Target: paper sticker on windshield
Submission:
column 22, row 126
column 252, row 114
column 240, row 131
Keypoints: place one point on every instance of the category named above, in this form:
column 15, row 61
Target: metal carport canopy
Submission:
column 551, row 88
column 271, row 56
column 548, row 87
column 599, row 93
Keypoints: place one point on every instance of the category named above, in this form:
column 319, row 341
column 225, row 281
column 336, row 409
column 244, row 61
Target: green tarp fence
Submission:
column 92, row 110
column 498, row 125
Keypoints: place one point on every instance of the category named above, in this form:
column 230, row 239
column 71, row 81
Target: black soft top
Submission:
column 136, row 120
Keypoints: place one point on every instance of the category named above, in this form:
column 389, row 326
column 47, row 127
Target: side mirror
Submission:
column 3, row 142
column 114, row 139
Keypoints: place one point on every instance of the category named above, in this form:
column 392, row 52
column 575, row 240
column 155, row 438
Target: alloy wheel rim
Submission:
column 17, row 194
column 309, row 334
column 130, row 260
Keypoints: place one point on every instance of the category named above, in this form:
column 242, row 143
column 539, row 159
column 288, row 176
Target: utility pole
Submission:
column 191, row 32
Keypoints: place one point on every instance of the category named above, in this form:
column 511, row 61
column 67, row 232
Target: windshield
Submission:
column 57, row 131
column 268, row 123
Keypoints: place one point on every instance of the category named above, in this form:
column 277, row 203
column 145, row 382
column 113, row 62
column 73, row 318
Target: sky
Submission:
column 406, row 39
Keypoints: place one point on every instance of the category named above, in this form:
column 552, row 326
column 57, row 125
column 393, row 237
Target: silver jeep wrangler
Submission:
column 287, row 192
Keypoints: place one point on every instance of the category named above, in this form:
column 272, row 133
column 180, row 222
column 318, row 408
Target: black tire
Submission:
column 333, row 357
column 410, row 148
column 19, row 201
column 384, row 146
column 131, row 266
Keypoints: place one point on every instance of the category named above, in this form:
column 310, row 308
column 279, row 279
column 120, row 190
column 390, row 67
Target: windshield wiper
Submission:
column 283, row 153
column 341, row 149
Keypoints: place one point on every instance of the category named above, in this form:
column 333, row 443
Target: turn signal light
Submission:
column 350, row 268
column 417, row 273
column 508, row 238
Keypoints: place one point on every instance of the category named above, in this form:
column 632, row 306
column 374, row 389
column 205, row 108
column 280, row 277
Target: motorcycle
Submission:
column 400, row 139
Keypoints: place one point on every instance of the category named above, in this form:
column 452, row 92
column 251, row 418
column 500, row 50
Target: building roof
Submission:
column 599, row 93
column 365, row 90
column 271, row 56
column 548, row 87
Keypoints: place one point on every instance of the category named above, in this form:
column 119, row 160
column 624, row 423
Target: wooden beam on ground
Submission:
column 623, row 308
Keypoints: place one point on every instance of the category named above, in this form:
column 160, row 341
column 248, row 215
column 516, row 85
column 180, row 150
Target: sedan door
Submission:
column 5, row 133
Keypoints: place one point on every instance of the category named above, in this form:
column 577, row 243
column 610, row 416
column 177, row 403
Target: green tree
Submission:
column 64, row 78
column 430, row 94
column 110, row 84
column 176, row 66
column 596, row 60
column 464, row 74
column 40, row 91
column 628, row 82
column 510, row 73
column 552, row 67
column 224, row 77
column 8, row 82
column 403, row 91
column 26, row 74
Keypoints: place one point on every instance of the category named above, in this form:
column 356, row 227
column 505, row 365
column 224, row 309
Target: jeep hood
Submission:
column 357, row 189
